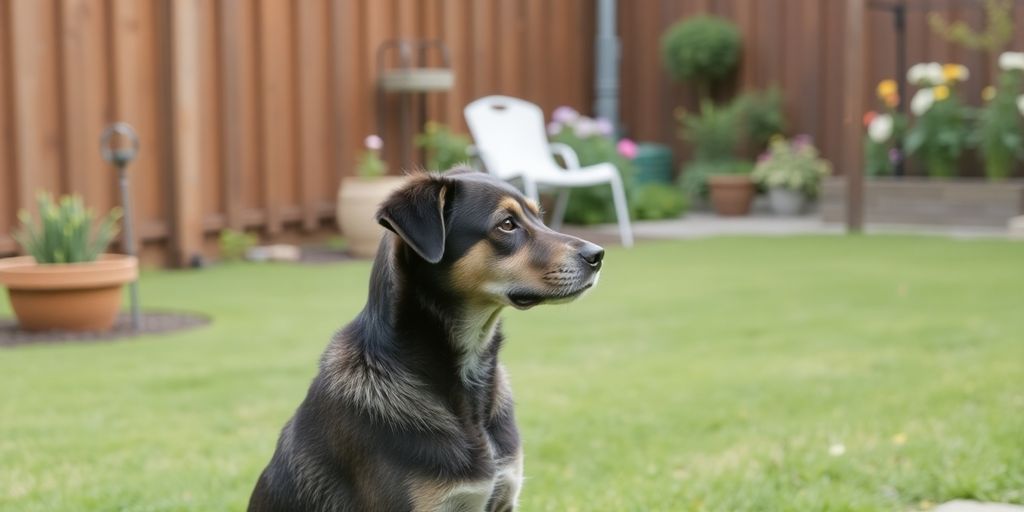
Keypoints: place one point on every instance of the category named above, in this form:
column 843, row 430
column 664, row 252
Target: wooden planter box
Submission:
column 955, row 202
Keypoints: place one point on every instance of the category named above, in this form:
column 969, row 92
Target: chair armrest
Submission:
column 572, row 162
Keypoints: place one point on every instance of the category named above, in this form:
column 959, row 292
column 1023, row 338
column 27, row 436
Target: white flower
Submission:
column 373, row 142
column 880, row 128
column 836, row 449
column 925, row 73
column 922, row 101
column 1010, row 61
column 604, row 127
column 585, row 127
column 565, row 114
column 554, row 128
column 1020, row 104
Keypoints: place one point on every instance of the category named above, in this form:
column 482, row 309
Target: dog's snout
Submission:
column 592, row 254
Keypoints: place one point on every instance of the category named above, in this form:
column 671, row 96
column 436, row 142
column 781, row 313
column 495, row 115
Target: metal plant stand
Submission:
column 120, row 156
column 411, row 77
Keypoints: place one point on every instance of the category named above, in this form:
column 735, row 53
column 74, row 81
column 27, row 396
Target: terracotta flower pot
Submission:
column 358, row 199
column 67, row 296
column 731, row 194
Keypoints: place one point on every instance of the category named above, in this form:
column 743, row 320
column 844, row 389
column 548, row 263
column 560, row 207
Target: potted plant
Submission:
column 701, row 49
column 1000, row 127
column 715, row 137
column 66, row 282
column 360, row 195
column 791, row 172
column 941, row 129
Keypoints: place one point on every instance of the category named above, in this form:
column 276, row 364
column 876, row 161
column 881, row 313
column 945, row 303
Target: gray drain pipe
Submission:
column 606, row 64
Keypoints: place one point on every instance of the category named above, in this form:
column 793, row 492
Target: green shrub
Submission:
column 65, row 233
column 794, row 165
column 702, row 49
column 714, row 133
column 999, row 128
column 658, row 201
column 234, row 244
column 940, row 133
column 444, row 149
column 760, row 118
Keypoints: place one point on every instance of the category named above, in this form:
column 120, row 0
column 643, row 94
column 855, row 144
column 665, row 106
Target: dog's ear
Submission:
column 416, row 213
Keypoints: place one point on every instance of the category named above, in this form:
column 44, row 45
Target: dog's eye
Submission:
column 508, row 225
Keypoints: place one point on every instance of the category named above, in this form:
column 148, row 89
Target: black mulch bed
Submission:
column 152, row 323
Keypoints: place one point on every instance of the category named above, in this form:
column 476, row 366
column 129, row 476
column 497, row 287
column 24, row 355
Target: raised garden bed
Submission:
column 943, row 202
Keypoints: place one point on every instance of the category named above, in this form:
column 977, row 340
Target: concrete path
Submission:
column 703, row 225
column 976, row 506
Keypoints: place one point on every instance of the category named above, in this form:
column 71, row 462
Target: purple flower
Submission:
column 895, row 156
column 554, row 128
column 763, row 157
column 565, row 115
column 604, row 127
column 802, row 141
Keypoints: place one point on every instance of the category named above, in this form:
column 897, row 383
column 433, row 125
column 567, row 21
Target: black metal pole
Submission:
column 120, row 157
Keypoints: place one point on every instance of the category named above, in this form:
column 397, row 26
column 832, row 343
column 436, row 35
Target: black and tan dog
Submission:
column 411, row 410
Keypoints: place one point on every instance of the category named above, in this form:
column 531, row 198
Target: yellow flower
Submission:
column 941, row 92
column 951, row 72
column 988, row 93
column 891, row 100
column 887, row 88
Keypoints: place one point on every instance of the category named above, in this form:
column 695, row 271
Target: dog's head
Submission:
column 479, row 239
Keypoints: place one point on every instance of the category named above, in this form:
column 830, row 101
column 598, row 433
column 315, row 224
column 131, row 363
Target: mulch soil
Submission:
column 152, row 323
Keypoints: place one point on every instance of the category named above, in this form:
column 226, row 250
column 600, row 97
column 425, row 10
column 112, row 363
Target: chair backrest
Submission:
column 509, row 132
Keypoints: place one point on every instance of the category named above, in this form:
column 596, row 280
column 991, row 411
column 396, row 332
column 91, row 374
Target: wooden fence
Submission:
column 250, row 111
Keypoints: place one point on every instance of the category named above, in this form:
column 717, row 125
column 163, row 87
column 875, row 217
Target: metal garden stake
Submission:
column 120, row 155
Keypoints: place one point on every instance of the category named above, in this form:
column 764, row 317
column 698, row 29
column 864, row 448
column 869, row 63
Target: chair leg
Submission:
column 561, row 203
column 622, row 213
column 530, row 189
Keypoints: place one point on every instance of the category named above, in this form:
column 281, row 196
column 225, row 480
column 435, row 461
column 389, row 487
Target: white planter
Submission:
column 358, row 199
column 786, row 201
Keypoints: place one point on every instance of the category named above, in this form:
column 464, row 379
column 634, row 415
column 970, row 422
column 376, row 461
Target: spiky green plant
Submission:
column 65, row 232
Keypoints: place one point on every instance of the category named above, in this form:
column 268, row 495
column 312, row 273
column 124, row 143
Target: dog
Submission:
column 411, row 410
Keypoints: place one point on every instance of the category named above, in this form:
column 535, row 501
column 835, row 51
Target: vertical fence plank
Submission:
column 35, row 97
column 350, row 108
column 313, row 128
column 211, row 177
column 85, row 94
column 277, row 121
column 187, row 146
column 8, row 193
column 454, row 31
column 853, row 107
column 237, row 95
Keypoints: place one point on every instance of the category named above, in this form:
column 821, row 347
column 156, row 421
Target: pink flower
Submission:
column 585, row 127
column 554, row 128
column 565, row 115
column 373, row 142
column 627, row 148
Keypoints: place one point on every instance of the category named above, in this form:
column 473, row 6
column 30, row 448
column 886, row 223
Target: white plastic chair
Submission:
column 510, row 140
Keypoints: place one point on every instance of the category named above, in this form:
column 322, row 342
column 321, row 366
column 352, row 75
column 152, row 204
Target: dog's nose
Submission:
column 592, row 254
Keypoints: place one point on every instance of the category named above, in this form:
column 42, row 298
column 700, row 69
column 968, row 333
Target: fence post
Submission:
column 187, row 228
column 853, row 108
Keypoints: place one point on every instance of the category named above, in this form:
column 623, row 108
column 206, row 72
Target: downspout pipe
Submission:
column 607, row 51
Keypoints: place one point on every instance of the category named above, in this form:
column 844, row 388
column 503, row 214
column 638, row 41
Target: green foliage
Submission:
column 65, row 233
column 371, row 165
column 999, row 128
column 234, row 244
column 714, row 133
column 760, row 118
column 997, row 32
column 444, row 148
column 940, row 136
column 877, row 158
column 655, row 201
column 594, row 205
column 793, row 165
column 704, row 49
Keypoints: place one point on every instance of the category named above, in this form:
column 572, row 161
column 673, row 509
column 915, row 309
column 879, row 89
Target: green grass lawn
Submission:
column 706, row 375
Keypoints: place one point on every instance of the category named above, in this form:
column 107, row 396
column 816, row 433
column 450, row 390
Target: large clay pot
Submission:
column 731, row 194
column 67, row 296
column 358, row 199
